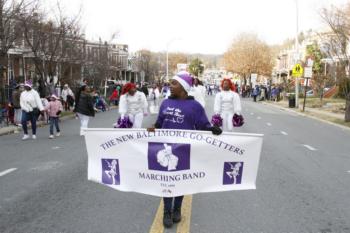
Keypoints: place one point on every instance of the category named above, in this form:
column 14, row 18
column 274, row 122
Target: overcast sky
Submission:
column 194, row 26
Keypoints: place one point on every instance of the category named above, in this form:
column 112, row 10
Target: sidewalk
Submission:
column 15, row 129
column 314, row 113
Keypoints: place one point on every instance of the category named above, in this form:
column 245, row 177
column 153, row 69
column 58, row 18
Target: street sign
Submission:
column 297, row 71
column 308, row 72
column 310, row 62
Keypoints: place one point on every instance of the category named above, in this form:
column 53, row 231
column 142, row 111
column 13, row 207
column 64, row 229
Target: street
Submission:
column 303, row 183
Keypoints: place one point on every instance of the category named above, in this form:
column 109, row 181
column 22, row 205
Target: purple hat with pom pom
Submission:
column 185, row 79
column 28, row 83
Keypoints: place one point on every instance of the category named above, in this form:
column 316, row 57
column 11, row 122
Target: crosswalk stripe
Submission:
column 7, row 171
column 310, row 147
column 284, row 133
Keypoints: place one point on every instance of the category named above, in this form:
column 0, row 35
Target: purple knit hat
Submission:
column 185, row 79
column 28, row 83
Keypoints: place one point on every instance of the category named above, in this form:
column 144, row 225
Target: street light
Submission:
column 326, row 61
column 167, row 56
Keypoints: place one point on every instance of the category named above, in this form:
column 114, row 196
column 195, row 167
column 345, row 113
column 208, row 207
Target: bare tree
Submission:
column 51, row 41
column 176, row 58
column 247, row 55
column 338, row 20
column 148, row 62
column 10, row 11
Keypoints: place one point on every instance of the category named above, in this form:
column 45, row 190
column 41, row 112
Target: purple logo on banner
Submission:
column 110, row 171
column 168, row 156
column 233, row 172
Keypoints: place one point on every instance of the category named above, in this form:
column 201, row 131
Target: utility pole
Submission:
column 297, row 57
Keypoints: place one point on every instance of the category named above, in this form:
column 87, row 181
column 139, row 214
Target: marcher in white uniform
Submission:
column 198, row 91
column 227, row 103
column 154, row 97
column 134, row 104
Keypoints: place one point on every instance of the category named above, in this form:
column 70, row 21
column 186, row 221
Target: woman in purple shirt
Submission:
column 181, row 111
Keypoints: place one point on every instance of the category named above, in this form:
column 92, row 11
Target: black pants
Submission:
column 168, row 202
column 28, row 116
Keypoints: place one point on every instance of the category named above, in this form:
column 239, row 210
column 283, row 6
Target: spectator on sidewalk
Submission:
column 255, row 92
column 31, row 106
column 16, row 94
column 84, row 107
column 54, row 109
column 67, row 97
column 274, row 93
column 113, row 98
column 44, row 116
column 144, row 89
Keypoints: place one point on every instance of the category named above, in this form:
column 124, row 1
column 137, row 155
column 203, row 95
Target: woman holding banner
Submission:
column 227, row 104
column 133, row 104
column 180, row 111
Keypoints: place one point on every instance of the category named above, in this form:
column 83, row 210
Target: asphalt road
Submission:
column 303, row 183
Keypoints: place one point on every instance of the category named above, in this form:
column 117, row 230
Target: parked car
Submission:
column 310, row 93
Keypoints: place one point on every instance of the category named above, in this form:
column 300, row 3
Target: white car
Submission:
column 310, row 93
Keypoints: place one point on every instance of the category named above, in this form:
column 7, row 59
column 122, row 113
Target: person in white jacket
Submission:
column 31, row 106
column 198, row 91
column 67, row 97
column 227, row 103
column 133, row 104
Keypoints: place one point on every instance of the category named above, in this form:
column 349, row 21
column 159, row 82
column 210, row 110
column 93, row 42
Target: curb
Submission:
column 15, row 129
column 306, row 115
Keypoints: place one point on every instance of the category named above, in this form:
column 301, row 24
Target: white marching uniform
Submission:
column 154, row 104
column 134, row 106
column 227, row 103
column 198, row 92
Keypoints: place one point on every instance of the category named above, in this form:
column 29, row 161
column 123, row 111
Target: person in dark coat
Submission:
column 16, row 94
column 84, row 107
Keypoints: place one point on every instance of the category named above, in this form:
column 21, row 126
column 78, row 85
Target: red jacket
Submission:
column 114, row 95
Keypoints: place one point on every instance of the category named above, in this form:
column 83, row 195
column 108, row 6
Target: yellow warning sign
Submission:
column 297, row 71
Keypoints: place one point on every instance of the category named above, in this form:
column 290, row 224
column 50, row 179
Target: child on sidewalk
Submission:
column 54, row 109
column 181, row 111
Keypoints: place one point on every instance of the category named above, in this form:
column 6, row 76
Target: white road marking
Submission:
column 268, row 124
column 56, row 147
column 7, row 171
column 47, row 166
column 310, row 147
column 258, row 118
column 252, row 113
column 284, row 133
column 349, row 171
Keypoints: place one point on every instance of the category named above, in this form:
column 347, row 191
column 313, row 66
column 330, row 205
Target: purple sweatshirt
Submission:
column 182, row 114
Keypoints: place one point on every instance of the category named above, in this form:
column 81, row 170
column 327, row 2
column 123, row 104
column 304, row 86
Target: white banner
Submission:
column 169, row 163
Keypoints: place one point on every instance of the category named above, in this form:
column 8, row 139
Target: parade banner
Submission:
column 168, row 163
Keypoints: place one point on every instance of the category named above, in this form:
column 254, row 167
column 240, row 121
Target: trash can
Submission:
column 291, row 101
